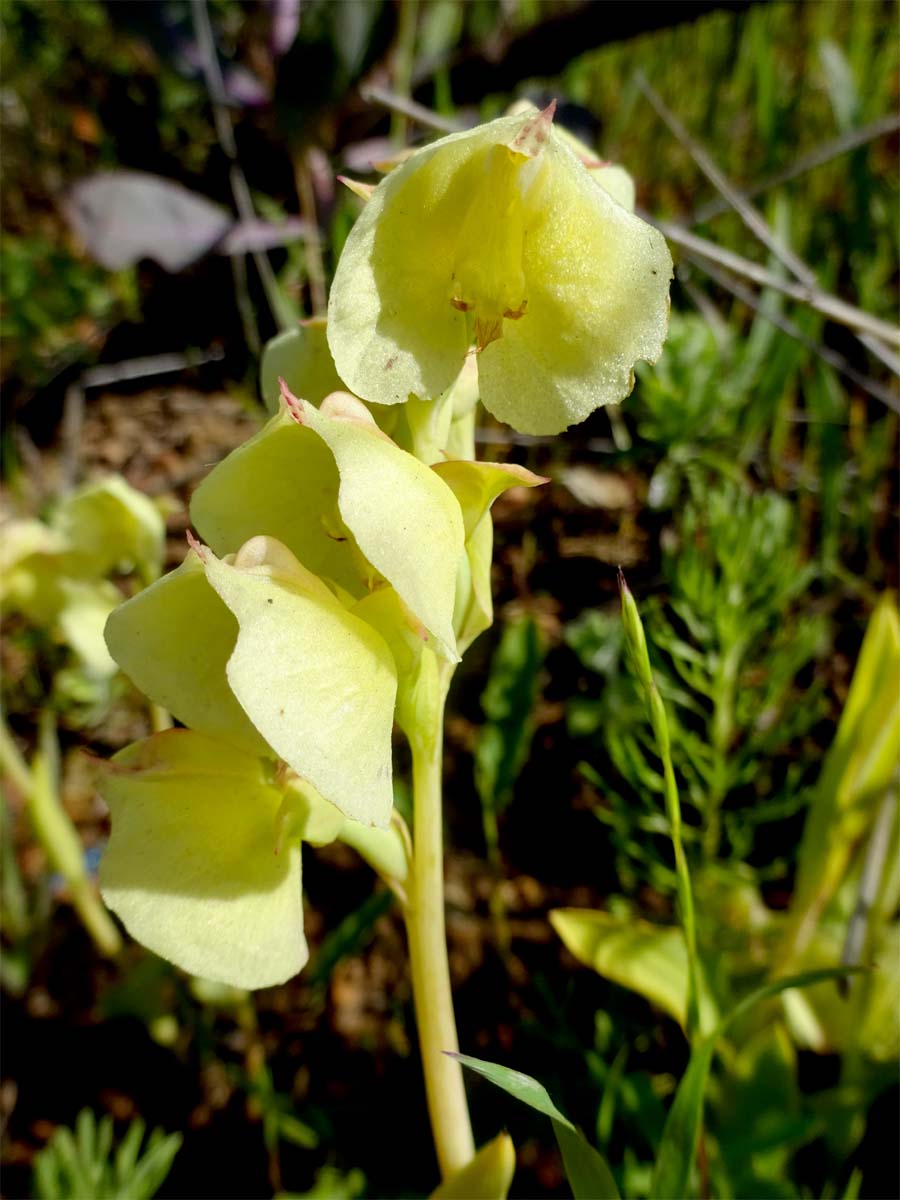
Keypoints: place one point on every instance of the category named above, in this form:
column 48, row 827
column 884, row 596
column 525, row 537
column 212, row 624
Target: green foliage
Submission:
column 54, row 302
column 855, row 776
column 677, row 1151
column 508, row 705
column 749, row 1149
column 331, row 1184
column 729, row 645
column 648, row 959
column 83, row 1165
column 586, row 1170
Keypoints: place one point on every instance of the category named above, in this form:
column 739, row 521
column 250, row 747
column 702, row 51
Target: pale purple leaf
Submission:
column 124, row 216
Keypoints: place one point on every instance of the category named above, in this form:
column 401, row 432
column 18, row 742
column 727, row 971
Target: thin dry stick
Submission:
column 830, row 306
column 404, row 55
column 215, row 85
column 745, row 210
column 72, row 429
column 315, row 266
column 786, row 325
column 144, row 368
column 881, row 352
column 751, row 217
column 373, row 94
column 800, row 166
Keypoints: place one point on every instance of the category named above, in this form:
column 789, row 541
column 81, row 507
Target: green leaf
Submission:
column 589, row 1176
column 508, row 703
column 675, row 1158
column 81, row 1166
column 317, row 682
column 487, row 1177
column 857, row 769
column 649, row 959
column 198, row 867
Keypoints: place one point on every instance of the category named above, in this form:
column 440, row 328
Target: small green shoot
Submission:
column 83, row 1166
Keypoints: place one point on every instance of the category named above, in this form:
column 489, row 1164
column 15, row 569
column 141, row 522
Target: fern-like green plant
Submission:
column 82, row 1164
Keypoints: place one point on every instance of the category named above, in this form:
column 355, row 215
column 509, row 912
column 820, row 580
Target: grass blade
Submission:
column 586, row 1170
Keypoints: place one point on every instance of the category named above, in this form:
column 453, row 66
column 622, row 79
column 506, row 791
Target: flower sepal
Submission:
column 196, row 867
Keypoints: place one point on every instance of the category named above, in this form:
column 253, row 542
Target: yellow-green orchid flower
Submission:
column 501, row 237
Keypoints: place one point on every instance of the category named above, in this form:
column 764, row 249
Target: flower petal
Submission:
column 317, row 682
column 194, row 867
column 301, row 356
column 391, row 327
column 476, row 486
column 501, row 228
column 598, row 286
column 282, row 483
column 406, row 521
column 172, row 641
column 109, row 524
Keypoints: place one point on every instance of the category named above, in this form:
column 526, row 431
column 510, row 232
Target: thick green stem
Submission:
column 446, row 1095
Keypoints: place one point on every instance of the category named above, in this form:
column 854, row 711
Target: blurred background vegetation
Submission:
column 748, row 487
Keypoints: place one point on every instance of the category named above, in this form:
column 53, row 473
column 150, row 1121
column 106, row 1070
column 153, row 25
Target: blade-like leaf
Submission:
column 857, row 769
column 649, row 959
column 586, row 1170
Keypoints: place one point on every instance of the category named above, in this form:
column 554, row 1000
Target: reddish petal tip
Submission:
column 198, row 548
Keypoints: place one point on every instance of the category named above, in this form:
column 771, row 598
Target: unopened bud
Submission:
column 634, row 636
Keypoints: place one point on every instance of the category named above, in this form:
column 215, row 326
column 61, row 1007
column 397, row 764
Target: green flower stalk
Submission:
column 502, row 238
